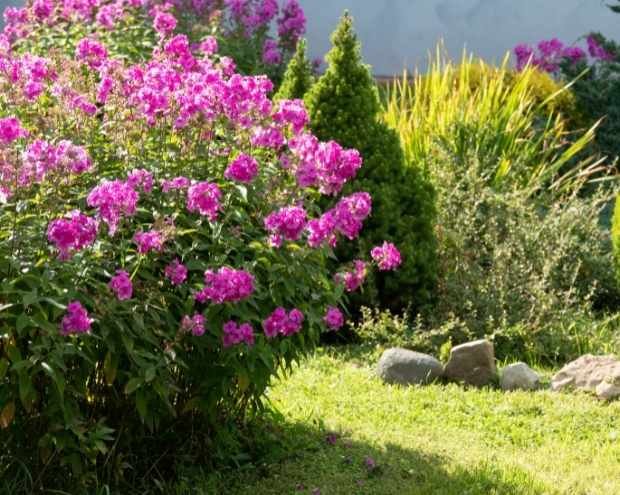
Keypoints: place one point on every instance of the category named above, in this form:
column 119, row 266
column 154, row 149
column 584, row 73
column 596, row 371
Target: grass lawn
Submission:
column 439, row 439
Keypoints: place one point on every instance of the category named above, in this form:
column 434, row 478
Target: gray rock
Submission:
column 598, row 374
column 519, row 376
column 408, row 367
column 473, row 363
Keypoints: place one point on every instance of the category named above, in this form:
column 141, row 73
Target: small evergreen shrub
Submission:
column 344, row 105
column 298, row 77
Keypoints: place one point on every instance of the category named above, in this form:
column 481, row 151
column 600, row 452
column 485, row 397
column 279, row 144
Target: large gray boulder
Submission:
column 472, row 363
column 597, row 374
column 519, row 376
column 408, row 367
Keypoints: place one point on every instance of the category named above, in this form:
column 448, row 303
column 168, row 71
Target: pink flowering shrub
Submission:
column 158, row 260
column 259, row 35
column 592, row 70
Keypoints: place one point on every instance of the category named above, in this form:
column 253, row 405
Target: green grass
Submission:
column 439, row 439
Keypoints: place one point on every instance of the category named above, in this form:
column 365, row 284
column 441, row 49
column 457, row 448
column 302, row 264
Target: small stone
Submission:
column 407, row 367
column 472, row 363
column 519, row 376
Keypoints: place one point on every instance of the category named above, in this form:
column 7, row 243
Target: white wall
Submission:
column 399, row 33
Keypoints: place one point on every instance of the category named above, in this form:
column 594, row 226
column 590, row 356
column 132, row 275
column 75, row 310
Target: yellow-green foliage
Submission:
column 546, row 92
column 514, row 129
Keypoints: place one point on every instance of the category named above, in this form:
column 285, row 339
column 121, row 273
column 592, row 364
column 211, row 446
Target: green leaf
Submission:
column 141, row 404
column 110, row 367
column 133, row 385
column 4, row 366
column 27, row 394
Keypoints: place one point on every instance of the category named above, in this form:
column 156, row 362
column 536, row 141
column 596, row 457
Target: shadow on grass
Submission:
column 300, row 459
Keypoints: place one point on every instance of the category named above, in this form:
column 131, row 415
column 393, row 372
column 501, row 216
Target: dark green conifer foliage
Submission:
column 298, row 78
column 344, row 105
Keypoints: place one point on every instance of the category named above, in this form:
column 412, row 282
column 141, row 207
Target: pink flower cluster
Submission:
column 345, row 218
column 41, row 158
column 354, row 279
column 11, row 130
column 334, row 319
column 76, row 320
column 325, row 165
column 235, row 334
column 121, row 285
column 267, row 137
column 174, row 184
column 244, row 168
column 226, row 285
column 194, row 324
column 140, row 178
column 288, row 223
column 252, row 14
column 151, row 240
column 72, row 233
column 271, row 52
column 547, row 55
column 204, row 198
column 91, row 52
column 176, row 272
column 293, row 113
column 283, row 323
column 113, row 200
column 596, row 51
column 387, row 256
column 30, row 74
column 292, row 23
column 164, row 23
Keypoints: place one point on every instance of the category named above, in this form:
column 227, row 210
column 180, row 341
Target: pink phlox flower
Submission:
column 226, row 285
column 235, row 334
column 204, row 198
column 334, row 319
column 283, row 323
column 121, row 285
column 113, row 200
column 72, row 233
column 387, row 256
column 176, row 272
column 151, row 240
column 140, row 178
column 244, row 168
column 76, row 320
column 194, row 324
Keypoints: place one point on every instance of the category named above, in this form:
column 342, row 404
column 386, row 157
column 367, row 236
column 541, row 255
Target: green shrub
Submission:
column 597, row 90
column 298, row 77
column 344, row 105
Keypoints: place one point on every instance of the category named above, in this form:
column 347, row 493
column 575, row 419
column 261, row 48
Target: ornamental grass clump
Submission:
column 164, row 237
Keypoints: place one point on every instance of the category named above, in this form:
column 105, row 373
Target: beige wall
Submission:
column 398, row 33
